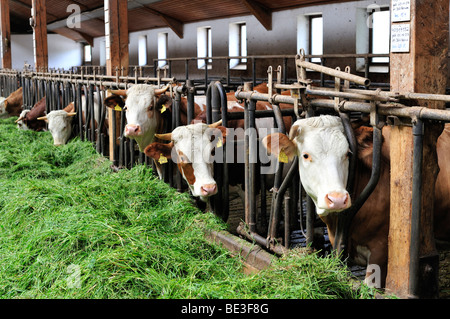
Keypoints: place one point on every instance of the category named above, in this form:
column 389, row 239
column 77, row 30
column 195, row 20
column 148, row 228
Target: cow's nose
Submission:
column 337, row 200
column 132, row 129
column 208, row 189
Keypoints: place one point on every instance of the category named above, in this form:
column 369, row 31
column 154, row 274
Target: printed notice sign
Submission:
column 400, row 37
column 401, row 10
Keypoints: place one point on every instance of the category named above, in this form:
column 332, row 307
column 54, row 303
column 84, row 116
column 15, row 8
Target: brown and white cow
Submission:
column 60, row 121
column 147, row 110
column 13, row 104
column 195, row 144
column 321, row 146
column 191, row 147
column 28, row 119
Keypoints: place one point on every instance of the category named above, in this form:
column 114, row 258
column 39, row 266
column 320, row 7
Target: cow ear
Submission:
column 115, row 102
column 220, row 134
column 164, row 103
column 155, row 150
column 279, row 144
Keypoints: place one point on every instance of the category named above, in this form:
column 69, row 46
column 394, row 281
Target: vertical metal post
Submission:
column 418, row 130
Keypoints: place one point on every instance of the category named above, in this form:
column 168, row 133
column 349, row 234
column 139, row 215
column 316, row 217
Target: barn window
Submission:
column 142, row 50
column 379, row 34
column 204, row 47
column 238, row 45
column 162, row 49
column 316, row 36
column 87, row 53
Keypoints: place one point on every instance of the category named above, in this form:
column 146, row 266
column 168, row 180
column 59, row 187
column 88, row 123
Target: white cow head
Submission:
column 60, row 125
column 140, row 105
column 191, row 148
column 21, row 123
column 323, row 152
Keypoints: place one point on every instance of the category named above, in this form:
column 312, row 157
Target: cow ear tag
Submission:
column 162, row 159
column 117, row 108
column 163, row 109
column 219, row 143
column 282, row 157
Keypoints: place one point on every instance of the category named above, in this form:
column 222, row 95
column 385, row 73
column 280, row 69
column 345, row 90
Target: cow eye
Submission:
column 125, row 108
column 349, row 153
column 306, row 156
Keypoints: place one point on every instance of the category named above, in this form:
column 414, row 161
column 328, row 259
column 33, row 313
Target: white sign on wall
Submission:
column 400, row 35
column 401, row 10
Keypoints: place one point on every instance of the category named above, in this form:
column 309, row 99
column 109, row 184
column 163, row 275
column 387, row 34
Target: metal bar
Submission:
column 252, row 151
column 333, row 72
column 225, row 179
column 418, row 132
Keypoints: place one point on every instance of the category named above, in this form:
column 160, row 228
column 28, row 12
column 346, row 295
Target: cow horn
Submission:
column 71, row 114
column 164, row 137
column 42, row 118
column 161, row 91
column 216, row 124
column 20, row 118
column 118, row 92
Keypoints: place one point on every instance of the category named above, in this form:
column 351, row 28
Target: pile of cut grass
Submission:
column 72, row 228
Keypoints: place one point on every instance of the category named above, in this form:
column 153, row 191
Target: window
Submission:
column 204, row 47
column 87, row 54
column 162, row 49
column 142, row 50
column 379, row 34
column 316, row 36
column 238, row 45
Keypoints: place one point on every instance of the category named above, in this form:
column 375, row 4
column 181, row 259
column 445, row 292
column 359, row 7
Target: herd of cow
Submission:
column 319, row 142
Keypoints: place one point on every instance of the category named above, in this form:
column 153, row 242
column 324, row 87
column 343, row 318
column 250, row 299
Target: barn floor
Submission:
column 237, row 215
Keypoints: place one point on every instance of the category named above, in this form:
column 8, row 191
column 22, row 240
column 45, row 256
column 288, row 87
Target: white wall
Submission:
column 62, row 52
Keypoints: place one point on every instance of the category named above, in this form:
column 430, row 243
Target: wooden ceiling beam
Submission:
column 261, row 12
column 174, row 24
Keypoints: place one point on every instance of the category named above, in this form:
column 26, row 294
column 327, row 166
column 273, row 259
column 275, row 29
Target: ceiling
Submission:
column 146, row 14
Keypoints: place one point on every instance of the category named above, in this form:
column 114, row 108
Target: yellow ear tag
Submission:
column 162, row 159
column 219, row 143
column 163, row 109
column 117, row 108
column 282, row 157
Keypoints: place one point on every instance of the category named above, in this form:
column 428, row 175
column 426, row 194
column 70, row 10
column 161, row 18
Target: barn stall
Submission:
column 413, row 77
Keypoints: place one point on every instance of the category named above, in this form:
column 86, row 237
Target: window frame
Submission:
column 373, row 62
column 310, row 48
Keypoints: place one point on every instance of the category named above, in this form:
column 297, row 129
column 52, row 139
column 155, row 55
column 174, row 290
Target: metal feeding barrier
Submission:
column 61, row 88
column 270, row 226
column 383, row 107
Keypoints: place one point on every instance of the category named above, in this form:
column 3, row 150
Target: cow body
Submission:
column 13, row 104
column 28, row 119
column 368, row 233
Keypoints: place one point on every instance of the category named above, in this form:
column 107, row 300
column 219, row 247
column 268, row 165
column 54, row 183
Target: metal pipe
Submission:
column 332, row 72
column 225, row 180
column 416, row 203
column 252, row 153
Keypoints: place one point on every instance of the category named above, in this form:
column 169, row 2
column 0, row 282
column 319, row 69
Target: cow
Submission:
column 200, row 168
column 60, row 121
column 191, row 147
column 148, row 110
column 13, row 104
column 28, row 119
column 323, row 152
